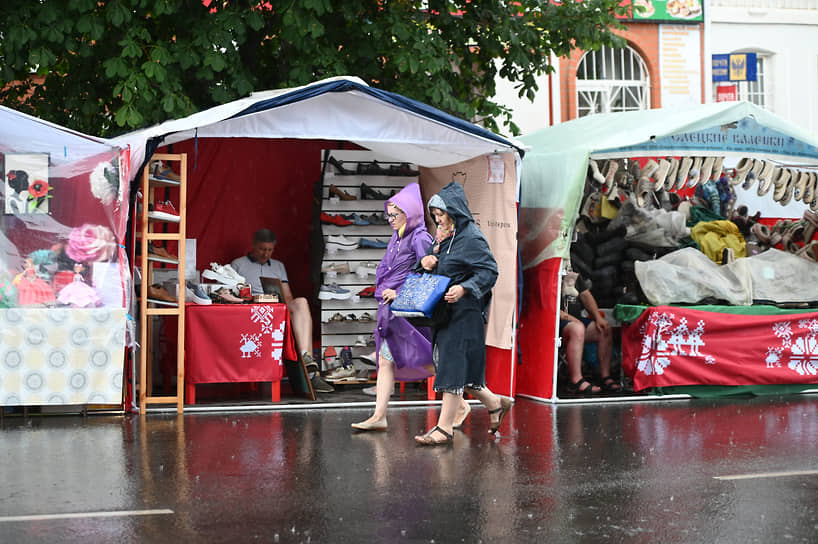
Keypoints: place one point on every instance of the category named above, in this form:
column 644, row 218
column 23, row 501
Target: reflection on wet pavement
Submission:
column 636, row 472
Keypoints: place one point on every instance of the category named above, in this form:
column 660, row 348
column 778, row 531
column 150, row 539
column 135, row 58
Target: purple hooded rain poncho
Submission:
column 410, row 346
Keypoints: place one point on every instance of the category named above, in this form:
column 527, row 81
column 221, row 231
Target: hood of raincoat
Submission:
column 452, row 200
column 409, row 200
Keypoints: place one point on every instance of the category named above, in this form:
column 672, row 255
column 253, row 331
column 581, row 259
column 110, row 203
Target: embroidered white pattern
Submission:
column 250, row 345
column 803, row 356
column 657, row 350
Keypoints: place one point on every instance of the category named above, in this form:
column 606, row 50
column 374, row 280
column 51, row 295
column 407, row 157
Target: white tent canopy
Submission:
column 334, row 109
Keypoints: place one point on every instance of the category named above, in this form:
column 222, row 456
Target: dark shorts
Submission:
column 585, row 320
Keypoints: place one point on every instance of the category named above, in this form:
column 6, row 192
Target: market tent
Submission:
column 343, row 108
column 62, row 221
column 553, row 177
column 257, row 162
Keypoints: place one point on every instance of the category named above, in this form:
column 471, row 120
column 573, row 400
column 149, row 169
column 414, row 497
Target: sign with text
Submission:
column 727, row 93
column 735, row 67
column 680, row 65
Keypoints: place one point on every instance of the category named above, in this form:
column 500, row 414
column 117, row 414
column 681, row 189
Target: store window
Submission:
column 611, row 80
column 755, row 91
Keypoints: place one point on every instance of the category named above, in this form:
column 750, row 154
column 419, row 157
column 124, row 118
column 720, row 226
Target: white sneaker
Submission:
column 340, row 242
column 340, row 373
column 194, row 293
column 219, row 278
column 328, row 292
column 227, row 271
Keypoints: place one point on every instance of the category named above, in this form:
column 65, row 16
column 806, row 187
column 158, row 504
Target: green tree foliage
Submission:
column 107, row 66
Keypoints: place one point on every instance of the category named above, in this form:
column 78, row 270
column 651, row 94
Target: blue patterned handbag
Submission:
column 419, row 295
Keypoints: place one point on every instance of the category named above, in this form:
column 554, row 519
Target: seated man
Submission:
column 575, row 331
column 258, row 264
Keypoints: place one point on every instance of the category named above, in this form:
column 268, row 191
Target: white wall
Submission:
column 790, row 35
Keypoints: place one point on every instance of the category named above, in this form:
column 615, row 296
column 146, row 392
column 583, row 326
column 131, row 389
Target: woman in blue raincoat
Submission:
column 461, row 252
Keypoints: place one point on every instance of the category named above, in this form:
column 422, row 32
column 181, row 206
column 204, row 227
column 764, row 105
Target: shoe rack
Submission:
column 360, row 168
column 154, row 189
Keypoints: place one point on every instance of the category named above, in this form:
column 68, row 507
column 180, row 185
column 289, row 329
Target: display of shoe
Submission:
column 337, row 317
column 368, row 193
column 164, row 211
column 194, row 293
column 340, row 168
column 377, row 219
column 374, row 244
column 338, row 268
column 160, row 172
column 402, row 169
column 360, row 341
column 227, row 297
column 157, row 292
column 366, row 316
column 330, row 357
column 334, row 219
column 340, row 242
column 369, row 358
column 367, row 291
column 158, row 252
column 357, row 220
column 340, row 373
column 309, row 362
column 366, row 268
column 340, row 193
column 333, row 291
column 218, row 278
column 319, row 385
column 346, row 357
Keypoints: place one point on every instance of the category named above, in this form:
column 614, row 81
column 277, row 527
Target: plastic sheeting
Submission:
column 687, row 276
column 63, row 216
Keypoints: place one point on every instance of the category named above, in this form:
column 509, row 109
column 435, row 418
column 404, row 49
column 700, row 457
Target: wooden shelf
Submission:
column 149, row 308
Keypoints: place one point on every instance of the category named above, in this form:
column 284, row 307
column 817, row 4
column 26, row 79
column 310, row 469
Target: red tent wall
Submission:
column 535, row 373
column 238, row 185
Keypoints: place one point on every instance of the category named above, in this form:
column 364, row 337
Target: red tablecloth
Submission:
column 237, row 343
column 670, row 346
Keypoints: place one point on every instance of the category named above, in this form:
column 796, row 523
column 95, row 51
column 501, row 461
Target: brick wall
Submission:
column 642, row 38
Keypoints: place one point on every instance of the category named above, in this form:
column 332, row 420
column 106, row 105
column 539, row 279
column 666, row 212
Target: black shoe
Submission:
column 319, row 385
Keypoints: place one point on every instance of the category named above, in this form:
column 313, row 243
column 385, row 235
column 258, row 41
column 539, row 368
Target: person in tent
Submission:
column 576, row 330
column 258, row 263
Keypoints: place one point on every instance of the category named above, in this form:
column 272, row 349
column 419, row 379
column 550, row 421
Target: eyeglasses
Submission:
column 391, row 216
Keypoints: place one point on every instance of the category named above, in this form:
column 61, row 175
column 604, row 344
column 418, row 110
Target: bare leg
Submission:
column 445, row 421
column 604, row 347
column 301, row 320
column 384, row 388
column 573, row 335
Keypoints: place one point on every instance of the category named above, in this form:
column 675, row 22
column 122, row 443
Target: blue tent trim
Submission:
column 395, row 99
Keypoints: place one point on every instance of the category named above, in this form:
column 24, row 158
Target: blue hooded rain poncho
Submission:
column 465, row 257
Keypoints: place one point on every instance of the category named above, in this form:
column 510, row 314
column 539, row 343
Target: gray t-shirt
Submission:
column 253, row 271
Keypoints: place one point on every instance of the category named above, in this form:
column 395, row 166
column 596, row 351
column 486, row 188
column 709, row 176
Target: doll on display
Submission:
column 31, row 289
column 79, row 294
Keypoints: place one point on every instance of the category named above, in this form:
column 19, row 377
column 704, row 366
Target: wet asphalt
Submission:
column 725, row 470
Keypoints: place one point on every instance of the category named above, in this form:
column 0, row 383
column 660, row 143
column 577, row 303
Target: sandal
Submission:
column 577, row 389
column 427, row 440
column 610, row 385
column 505, row 408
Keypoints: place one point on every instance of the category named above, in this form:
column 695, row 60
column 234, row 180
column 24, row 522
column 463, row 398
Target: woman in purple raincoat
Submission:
column 404, row 352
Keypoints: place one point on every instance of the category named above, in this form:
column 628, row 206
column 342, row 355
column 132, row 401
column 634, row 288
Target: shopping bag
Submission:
column 419, row 295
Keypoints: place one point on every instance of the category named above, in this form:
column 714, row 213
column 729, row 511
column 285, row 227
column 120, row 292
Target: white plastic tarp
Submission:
column 335, row 109
column 687, row 276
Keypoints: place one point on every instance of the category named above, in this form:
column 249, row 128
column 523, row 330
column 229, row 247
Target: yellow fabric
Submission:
column 401, row 229
column 714, row 237
column 609, row 211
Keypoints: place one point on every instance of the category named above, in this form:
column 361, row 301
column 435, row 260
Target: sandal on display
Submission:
column 503, row 410
column 577, row 389
column 429, row 440
column 610, row 385
column 462, row 419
